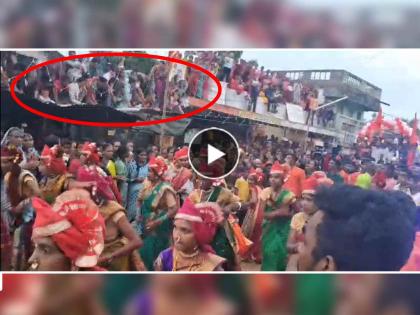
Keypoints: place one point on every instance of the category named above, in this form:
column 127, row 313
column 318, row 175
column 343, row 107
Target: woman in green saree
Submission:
column 277, row 204
column 158, row 207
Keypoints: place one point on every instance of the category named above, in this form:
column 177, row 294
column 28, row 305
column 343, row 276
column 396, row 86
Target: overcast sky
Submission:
column 395, row 71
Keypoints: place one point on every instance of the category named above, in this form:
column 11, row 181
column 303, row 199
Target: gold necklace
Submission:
column 183, row 255
column 275, row 195
column 205, row 193
column 187, row 257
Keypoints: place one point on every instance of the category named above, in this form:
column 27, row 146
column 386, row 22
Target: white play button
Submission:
column 213, row 154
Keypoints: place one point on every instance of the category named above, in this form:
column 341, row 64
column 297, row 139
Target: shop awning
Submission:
column 92, row 113
column 15, row 115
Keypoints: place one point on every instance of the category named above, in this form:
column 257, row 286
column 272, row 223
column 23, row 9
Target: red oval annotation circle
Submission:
column 114, row 124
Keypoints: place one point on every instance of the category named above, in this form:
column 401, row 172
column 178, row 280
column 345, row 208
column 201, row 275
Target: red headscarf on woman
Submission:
column 102, row 184
column 91, row 152
column 75, row 225
column 181, row 153
column 158, row 165
column 278, row 168
column 317, row 179
column 53, row 159
column 380, row 179
column 258, row 174
column 205, row 218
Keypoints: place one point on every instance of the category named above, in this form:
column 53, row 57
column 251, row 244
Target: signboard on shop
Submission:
column 295, row 113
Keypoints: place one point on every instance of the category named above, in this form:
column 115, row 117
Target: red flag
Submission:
column 400, row 126
column 376, row 125
column 413, row 136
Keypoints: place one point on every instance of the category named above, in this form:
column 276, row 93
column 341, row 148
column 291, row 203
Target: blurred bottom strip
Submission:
column 198, row 294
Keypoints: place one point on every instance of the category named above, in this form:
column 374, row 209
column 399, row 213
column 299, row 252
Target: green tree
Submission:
column 237, row 54
column 139, row 64
column 253, row 63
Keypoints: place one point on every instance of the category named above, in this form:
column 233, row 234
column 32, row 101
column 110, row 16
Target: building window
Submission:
column 294, row 75
column 317, row 75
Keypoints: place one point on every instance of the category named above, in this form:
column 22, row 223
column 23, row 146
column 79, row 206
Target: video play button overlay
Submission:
column 213, row 153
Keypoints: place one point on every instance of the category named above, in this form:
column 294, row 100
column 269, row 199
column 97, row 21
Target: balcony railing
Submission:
column 341, row 126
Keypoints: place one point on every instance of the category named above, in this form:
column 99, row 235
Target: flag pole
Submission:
column 165, row 103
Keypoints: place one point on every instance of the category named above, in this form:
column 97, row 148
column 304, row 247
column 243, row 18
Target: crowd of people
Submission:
column 105, row 81
column 114, row 206
column 108, row 81
column 239, row 23
column 251, row 81
column 250, row 294
column 274, row 88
